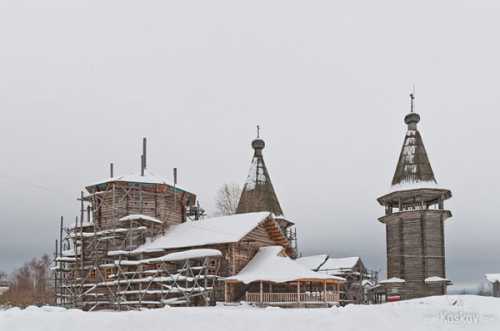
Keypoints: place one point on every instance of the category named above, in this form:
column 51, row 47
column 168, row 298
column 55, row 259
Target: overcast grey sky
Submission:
column 82, row 81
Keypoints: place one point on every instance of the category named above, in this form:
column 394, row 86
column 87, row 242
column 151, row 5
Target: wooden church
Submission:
column 140, row 242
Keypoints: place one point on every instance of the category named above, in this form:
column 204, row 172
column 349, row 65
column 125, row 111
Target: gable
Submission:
column 267, row 233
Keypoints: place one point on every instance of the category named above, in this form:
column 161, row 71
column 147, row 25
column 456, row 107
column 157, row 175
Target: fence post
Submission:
column 298, row 291
column 261, row 292
column 225, row 292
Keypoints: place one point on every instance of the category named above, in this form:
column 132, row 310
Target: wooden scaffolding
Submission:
column 95, row 266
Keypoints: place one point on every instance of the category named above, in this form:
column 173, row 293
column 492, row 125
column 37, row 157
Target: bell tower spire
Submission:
column 413, row 167
column 258, row 192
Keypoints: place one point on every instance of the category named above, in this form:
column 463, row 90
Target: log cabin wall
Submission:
column 111, row 201
column 415, row 250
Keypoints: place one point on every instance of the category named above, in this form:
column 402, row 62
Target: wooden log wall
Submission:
column 123, row 198
column 415, row 250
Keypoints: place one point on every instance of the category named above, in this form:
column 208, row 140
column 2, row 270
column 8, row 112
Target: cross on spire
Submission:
column 412, row 100
column 258, row 131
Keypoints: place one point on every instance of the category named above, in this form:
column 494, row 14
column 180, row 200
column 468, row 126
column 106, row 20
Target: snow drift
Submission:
column 434, row 313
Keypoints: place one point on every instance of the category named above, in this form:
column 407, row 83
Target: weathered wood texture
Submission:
column 120, row 199
column 496, row 289
column 415, row 250
column 258, row 192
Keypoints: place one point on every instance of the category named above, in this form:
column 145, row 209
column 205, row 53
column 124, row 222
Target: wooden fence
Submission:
column 292, row 298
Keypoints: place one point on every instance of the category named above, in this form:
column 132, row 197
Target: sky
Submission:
column 81, row 82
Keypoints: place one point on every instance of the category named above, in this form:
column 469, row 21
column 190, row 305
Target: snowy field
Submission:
column 436, row 313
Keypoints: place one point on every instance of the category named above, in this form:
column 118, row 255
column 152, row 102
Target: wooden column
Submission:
column 261, row 292
column 324, row 290
column 298, row 291
column 225, row 292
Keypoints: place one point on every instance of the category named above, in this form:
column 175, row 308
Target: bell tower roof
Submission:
column 258, row 192
column 413, row 167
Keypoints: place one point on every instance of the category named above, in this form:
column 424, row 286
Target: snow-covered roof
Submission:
column 313, row 262
column 68, row 252
column 172, row 257
column 190, row 254
column 415, row 185
column 137, row 217
column 339, row 264
column 216, row 230
column 392, row 280
column 268, row 265
column 148, row 178
column 329, row 265
column 493, row 278
column 118, row 253
column 435, row 279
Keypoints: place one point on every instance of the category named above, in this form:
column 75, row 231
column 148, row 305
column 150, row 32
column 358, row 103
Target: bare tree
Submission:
column 227, row 198
column 29, row 284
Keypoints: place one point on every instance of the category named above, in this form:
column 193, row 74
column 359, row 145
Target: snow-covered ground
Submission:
column 435, row 313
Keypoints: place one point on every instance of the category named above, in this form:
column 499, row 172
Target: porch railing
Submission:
column 290, row 298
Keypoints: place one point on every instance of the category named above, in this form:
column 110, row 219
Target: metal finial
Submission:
column 412, row 100
column 258, row 131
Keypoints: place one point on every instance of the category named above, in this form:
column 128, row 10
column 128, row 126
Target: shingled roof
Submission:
column 413, row 165
column 258, row 193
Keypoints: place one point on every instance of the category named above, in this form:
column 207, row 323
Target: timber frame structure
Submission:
column 94, row 265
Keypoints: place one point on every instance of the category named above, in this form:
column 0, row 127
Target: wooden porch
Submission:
column 292, row 294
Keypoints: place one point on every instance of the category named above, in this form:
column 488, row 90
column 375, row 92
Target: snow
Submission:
column 148, row 178
column 65, row 259
column 493, row 278
column 190, row 254
column 268, row 265
column 329, row 265
column 177, row 256
column 68, row 252
column 106, row 232
column 313, row 262
column 117, row 253
column 392, row 280
column 435, row 279
column 338, row 265
column 445, row 313
column 137, row 217
column 415, row 185
column 217, row 230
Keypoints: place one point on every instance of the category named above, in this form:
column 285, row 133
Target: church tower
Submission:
column 414, row 220
column 258, row 192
